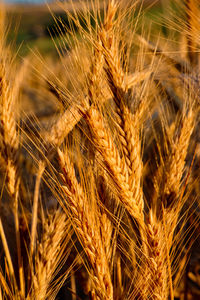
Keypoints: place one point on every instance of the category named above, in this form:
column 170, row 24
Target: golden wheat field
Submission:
column 100, row 156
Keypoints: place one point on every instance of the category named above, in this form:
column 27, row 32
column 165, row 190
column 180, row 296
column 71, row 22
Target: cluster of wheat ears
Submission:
column 102, row 198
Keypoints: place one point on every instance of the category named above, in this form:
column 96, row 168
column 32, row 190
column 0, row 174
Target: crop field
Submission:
column 100, row 150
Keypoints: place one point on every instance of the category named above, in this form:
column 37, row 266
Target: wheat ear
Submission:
column 9, row 147
column 156, row 262
column 9, row 137
column 115, row 165
column 88, row 230
column 172, row 198
column 163, row 216
column 127, row 124
column 176, row 163
column 152, row 278
column 49, row 253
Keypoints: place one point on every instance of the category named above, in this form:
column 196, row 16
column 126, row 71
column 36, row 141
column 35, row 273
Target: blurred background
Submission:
column 31, row 24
